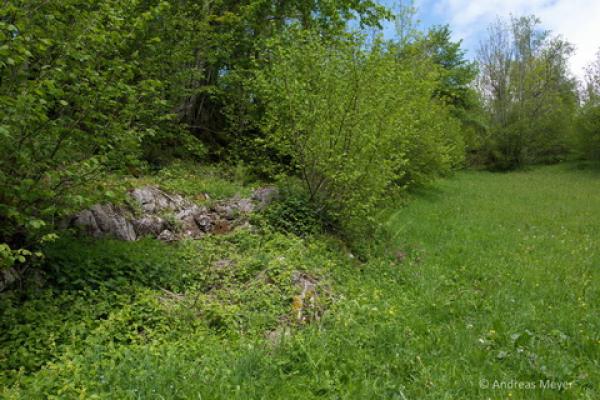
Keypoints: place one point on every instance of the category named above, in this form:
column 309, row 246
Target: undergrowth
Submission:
column 486, row 278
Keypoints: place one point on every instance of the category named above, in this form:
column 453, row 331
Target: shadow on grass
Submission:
column 76, row 263
column 429, row 193
column 590, row 167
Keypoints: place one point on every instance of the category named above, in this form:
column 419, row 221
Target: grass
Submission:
column 509, row 283
column 500, row 285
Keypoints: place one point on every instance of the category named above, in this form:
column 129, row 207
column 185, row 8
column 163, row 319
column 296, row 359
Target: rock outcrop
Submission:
column 168, row 217
column 107, row 219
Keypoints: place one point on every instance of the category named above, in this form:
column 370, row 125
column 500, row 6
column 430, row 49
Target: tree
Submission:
column 217, row 110
column 592, row 81
column 528, row 93
column 457, row 73
column 405, row 23
column 455, row 77
column 588, row 120
column 455, row 83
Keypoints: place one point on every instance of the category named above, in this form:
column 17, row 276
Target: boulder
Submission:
column 204, row 221
column 225, row 211
column 244, row 206
column 188, row 212
column 105, row 220
column 166, row 236
column 8, row 276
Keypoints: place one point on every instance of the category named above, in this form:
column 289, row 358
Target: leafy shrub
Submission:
column 352, row 121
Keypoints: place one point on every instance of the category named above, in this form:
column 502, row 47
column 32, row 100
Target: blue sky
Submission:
column 578, row 21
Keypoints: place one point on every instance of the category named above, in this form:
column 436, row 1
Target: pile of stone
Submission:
column 168, row 217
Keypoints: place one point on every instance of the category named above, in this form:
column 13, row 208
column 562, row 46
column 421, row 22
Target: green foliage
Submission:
column 352, row 121
column 588, row 129
column 10, row 257
column 292, row 212
column 528, row 93
column 456, row 72
column 588, row 120
column 109, row 296
column 87, row 88
column 455, row 84
column 220, row 109
column 521, row 305
column 82, row 85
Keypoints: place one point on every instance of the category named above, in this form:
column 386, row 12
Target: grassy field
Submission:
column 508, row 287
column 496, row 296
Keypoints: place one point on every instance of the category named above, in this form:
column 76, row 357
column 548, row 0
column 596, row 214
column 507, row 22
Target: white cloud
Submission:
column 578, row 21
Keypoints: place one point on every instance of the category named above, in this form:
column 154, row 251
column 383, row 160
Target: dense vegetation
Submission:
column 212, row 99
column 529, row 95
column 588, row 122
column 89, row 88
column 468, row 303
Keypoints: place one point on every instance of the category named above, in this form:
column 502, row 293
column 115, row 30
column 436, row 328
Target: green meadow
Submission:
column 489, row 290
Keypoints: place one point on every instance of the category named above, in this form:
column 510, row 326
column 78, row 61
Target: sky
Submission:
column 577, row 21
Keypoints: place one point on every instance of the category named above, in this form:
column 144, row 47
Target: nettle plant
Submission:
column 349, row 116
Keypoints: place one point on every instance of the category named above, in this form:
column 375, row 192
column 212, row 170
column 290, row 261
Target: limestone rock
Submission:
column 166, row 236
column 305, row 305
column 151, row 225
column 105, row 220
column 204, row 222
column 188, row 219
column 154, row 200
column 8, row 276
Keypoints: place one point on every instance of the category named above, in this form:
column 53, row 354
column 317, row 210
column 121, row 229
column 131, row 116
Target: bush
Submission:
column 352, row 121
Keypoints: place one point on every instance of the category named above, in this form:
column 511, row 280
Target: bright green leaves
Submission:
column 75, row 101
column 10, row 257
column 354, row 122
